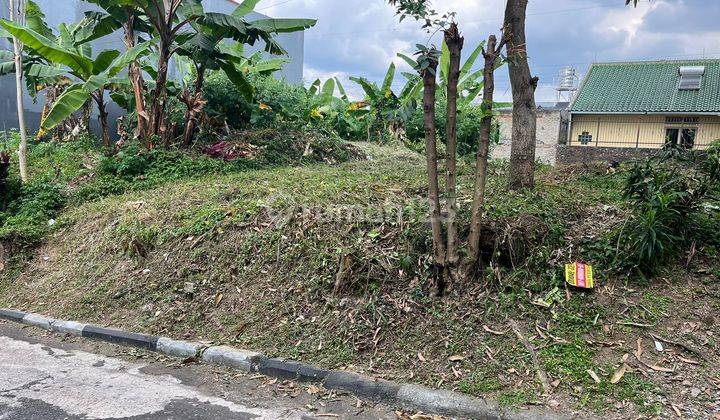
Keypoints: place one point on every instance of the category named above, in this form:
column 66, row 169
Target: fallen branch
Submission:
column 681, row 345
column 542, row 376
column 635, row 324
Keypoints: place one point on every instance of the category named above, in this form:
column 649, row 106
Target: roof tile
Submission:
column 647, row 86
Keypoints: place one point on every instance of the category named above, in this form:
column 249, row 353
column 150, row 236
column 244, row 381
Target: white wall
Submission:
column 548, row 130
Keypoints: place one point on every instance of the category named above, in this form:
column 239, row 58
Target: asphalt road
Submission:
column 47, row 376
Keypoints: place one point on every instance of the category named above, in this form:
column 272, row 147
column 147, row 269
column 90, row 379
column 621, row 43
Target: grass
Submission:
column 251, row 258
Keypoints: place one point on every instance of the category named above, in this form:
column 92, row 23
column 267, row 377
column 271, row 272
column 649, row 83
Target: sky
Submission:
column 362, row 37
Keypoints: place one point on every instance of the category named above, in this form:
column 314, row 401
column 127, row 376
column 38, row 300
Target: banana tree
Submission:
column 338, row 112
column 126, row 15
column 170, row 19
column 384, row 105
column 206, row 50
column 470, row 85
column 93, row 75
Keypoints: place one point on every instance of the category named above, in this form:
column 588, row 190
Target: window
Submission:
column 690, row 77
column 687, row 137
column 680, row 137
column 585, row 138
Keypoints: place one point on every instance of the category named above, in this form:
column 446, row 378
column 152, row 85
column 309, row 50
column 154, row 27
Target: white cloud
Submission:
column 362, row 37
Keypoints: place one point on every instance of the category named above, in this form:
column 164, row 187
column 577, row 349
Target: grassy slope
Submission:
column 205, row 259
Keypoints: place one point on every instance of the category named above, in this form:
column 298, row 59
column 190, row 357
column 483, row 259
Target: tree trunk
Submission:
column 102, row 116
column 481, row 162
column 17, row 15
column 136, row 79
column 522, row 151
column 191, row 114
column 160, row 93
column 455, row 44
column 429, row 83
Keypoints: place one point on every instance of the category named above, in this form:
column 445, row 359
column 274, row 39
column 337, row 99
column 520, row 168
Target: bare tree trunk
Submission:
column 481, row 163
column 455, row 44
column 17, row 15
column 99, row 97
column 136, row 79
column 522, row 151
column 429, row 83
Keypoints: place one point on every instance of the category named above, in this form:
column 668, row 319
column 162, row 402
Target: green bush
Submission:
column 468, row 129
column 24, row 218
column 675, row 203
column 224, row 101
column 281, row 102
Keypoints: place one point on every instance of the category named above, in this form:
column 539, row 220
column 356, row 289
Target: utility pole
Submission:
column 17, row 15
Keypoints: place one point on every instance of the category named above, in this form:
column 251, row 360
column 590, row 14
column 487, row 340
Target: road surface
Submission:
column 50, row 377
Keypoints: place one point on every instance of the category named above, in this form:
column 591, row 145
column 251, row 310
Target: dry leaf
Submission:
column 676, row 410
column 658, row 346
column 660, row 368
column 594, row 376
column 421, row 357
column 313, row 389
column 456, row 358
column 619, row 374
column 638, row 352
column 688, row 361
column 218, row 299
column 491, row 331
column 555, row 383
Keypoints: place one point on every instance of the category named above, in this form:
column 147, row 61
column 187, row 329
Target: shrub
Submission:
column 275, row 102
column 224, row 101
column 674, row 199
column 468, row 129
column 24, row 219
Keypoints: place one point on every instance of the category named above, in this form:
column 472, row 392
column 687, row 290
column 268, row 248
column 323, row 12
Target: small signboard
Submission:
column 579, row 275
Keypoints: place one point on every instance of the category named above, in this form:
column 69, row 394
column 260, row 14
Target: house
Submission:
column 69, row 11
column 628, row 109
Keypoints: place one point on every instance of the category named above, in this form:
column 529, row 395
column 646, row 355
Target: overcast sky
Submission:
column 362, row 37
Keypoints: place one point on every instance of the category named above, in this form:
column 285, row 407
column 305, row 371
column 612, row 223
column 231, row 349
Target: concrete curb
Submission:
column 407, row 396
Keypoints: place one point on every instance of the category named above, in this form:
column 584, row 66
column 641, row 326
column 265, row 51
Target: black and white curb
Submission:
column 407, row 396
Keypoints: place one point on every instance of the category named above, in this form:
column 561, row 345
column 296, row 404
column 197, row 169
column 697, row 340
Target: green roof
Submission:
column 647, row 86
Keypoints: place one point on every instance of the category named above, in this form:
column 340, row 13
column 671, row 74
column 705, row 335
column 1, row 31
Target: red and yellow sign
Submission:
column 579, row 275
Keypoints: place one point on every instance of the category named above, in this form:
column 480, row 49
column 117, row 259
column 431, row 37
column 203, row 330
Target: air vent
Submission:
column 690, row 77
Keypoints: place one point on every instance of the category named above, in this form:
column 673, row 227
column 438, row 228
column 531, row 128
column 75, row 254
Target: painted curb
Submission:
column 231, row 357
column 37, row 321
column 289, row 369
column 12, row 315
column 181, row 349
column 112, row 335
column 68, row 327
column 407, row 396
column 368, row 387
column 448, row 402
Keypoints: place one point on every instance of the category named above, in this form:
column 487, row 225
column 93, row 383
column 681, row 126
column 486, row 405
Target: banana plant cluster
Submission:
column 470, row 85
column 385, row 106
column 343, row 115
column 69, row 55
column 155, row 32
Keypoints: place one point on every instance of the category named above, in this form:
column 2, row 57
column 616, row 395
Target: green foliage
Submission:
column 279, row 102
column 468, row 128
column 675, row 203
column 26, row 210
